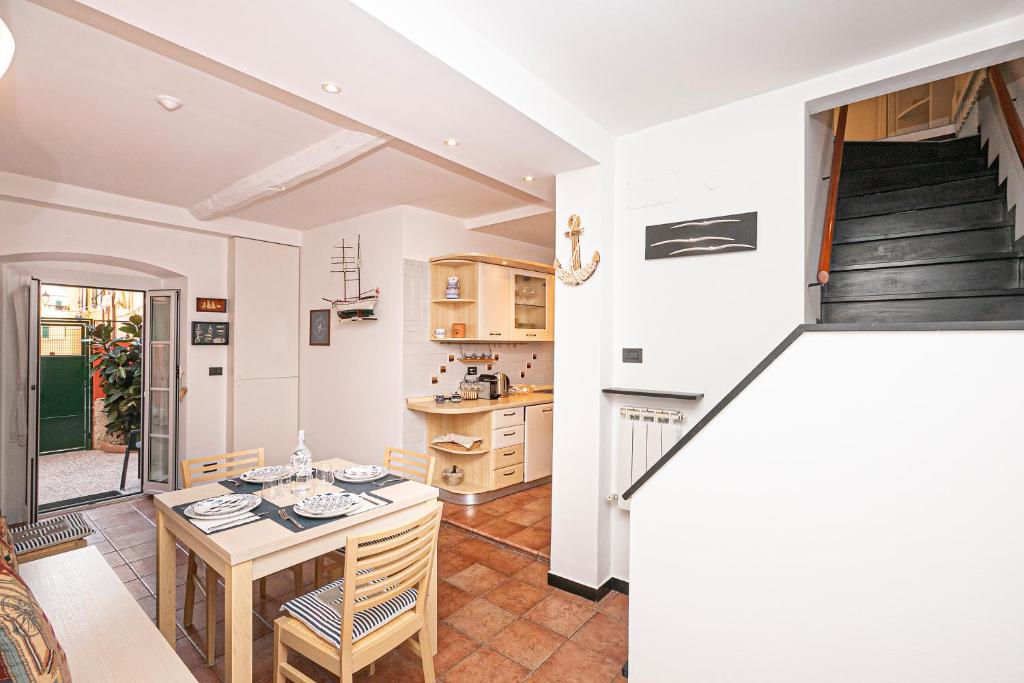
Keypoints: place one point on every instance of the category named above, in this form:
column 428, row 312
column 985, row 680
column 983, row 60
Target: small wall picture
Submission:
column 701, row 236
column 205, row 333
column 320, row 327
column 205, row 304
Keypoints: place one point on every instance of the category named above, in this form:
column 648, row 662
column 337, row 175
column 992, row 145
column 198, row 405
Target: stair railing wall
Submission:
column 825, row 254
column 997, row 137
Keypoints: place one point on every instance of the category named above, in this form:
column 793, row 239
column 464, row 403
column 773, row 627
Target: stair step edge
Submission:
column 1000, row 193
column 927, row 183
column 884, row 236
column 946, row 294
column 997, row 256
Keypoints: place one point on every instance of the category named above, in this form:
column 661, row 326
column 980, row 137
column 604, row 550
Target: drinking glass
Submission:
column 325, row 479
column 272, row 488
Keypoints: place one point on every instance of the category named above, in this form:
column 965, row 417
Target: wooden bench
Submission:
column 104, row 632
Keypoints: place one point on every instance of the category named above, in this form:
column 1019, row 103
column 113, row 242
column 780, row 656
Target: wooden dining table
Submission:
column 243, row 554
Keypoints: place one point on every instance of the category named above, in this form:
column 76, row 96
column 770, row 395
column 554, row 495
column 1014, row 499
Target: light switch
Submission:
column 632, row 355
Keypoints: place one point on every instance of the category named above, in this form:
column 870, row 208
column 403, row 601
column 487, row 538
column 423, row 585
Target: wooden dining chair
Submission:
column 411, row 465
column 202, row 470
column 382, row 603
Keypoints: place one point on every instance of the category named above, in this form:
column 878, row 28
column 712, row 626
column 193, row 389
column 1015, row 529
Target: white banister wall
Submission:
column 994, row 132
column 854, row 515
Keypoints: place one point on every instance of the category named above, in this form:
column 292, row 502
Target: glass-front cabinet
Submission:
column 532, row 306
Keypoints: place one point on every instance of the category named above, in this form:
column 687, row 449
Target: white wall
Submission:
column 876, row 537
column 993, row 130
column 352, row 399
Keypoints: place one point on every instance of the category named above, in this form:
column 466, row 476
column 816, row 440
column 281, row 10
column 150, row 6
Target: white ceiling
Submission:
column 631, row 65
column 77, row 107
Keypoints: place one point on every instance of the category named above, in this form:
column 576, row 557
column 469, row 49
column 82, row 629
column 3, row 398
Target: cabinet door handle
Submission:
column 509, row 414
column 546, row 410
column 532, row 334
column 509, row 453
column 510, row 474
column 494, row 334
column 508, row 434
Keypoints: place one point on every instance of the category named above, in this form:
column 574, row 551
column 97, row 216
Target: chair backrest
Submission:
column 411, row 465
column 215, row 467
column 385, row 564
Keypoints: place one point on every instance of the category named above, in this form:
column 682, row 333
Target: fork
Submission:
column 284, row 515
column 385, row 482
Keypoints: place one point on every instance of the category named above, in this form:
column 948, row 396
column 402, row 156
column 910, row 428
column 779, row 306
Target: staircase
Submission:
column 922, row 235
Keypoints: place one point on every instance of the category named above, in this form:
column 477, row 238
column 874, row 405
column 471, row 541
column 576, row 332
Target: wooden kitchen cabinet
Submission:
column 500, row 300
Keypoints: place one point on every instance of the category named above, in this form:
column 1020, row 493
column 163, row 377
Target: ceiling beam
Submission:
column 505, row 216
column 314, row 161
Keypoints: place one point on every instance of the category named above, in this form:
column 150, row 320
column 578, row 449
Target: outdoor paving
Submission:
column 75, row 474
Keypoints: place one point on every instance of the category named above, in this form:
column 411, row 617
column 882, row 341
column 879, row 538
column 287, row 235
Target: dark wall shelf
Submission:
column 650, row 393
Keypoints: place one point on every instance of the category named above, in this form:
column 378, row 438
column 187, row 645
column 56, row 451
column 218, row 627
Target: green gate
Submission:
column 65, row 388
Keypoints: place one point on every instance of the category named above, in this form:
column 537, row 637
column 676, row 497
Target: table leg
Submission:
column 238, row 623
column 165, row 580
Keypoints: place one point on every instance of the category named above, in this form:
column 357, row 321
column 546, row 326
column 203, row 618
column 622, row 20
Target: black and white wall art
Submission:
column 721, row 234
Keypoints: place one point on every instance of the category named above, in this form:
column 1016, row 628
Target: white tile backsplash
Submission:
column 422, row 357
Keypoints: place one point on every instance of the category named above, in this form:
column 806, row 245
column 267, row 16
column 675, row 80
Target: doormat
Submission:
column 81, row 500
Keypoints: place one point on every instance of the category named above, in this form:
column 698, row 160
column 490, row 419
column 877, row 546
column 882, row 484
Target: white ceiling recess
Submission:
column 78, row 108
column 633, row 65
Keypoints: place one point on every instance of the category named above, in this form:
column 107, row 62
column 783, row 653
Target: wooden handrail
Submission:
column 825, row 257
column 1010, row 115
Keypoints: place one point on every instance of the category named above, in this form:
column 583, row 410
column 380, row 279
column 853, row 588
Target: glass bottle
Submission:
column 302, row 464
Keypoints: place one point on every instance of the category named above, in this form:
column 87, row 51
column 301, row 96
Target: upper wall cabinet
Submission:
column 498, row 299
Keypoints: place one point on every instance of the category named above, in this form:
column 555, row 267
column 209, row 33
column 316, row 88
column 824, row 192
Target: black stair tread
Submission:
column 952, row 178
column 922, row 232
column 949, row 294
column 918, row 197
column 864, row 179
column 991, row 211
column 879, row 155
column 931, row 261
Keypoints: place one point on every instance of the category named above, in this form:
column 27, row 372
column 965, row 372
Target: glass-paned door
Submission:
column 160, row 399
column 27, row 316
column 531, row 314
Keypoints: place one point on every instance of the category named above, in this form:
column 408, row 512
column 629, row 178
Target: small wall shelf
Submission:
column 651, row 393
column 459, row 450
column 453, row 301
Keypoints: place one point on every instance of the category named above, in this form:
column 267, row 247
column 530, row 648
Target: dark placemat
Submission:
column 370, row 486
column 313, row 522
column 265, row 510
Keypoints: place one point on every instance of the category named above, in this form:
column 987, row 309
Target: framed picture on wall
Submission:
column 205, row 304
column 205, row 333
column 320, row 327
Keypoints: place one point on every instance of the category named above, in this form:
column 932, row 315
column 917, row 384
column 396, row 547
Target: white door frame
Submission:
column 32, row 410
column 156, row 479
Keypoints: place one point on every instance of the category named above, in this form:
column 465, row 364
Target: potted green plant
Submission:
column 117, row 362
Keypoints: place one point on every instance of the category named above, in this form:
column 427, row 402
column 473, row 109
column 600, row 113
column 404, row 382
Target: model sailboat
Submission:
column 354, row 303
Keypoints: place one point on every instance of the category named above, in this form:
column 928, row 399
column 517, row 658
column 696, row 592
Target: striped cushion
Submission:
column 379, row 540
column 50, row 532
column 325, row 620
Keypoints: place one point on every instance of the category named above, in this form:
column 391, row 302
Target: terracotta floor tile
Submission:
column 471, row 517
column 393, row 668
column 114, row 519
column 103, row 547
column 480, row 620
column 500, row 528
column 615, row 605
column 535, row 574
column 486, row 666
column 148, row 605
column 507, row 562
column 542, row 524
column 450, row 599
column 476, row 579
column 114, row 559
column 540, row 504
column 605, row 635
column 526, row 643
column 515, row 596
column 125, row 573
column 560, row 615
column 450, row 562
column 134, row 538
column 136, row 523
column 575, row 664
column 525, row 517
column 499, row 507
column 531, row 538
column 139, row 552
column 452, row 648
column 477, row 549
column 451, row 536
column 137, row 589
column 189, row 653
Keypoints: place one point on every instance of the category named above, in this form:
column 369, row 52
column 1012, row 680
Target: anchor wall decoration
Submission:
column 579, row 273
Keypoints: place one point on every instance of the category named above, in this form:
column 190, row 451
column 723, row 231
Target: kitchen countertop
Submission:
column 480, row 405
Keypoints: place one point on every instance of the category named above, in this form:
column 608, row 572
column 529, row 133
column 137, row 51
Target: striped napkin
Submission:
column 211, row 525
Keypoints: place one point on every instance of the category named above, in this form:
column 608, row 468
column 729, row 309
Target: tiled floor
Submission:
column 498, row 619
column 522, row 520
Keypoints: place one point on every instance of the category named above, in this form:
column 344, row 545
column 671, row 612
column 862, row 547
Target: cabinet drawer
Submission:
column 509, row 417
column 507, row 476
column 505, row 457
column 507, row 436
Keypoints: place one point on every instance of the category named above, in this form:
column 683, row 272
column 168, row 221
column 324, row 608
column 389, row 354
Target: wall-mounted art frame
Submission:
column 210, row 333
column 205, row 304
column 702, row 236
column 320, row 327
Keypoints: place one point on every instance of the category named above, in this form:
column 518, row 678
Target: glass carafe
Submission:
column 302, row 465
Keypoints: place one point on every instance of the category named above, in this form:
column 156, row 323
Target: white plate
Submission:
column 261, row 475
column 330, row 504
column 219, row 507
column 358, row 474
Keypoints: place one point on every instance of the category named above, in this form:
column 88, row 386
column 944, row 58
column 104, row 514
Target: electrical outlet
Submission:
column 632, row 355
column 216, row 371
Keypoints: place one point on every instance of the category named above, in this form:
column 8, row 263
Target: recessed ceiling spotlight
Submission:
column 451, row 142
column 169, row 103
column 330, row 87
column 528, row 178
